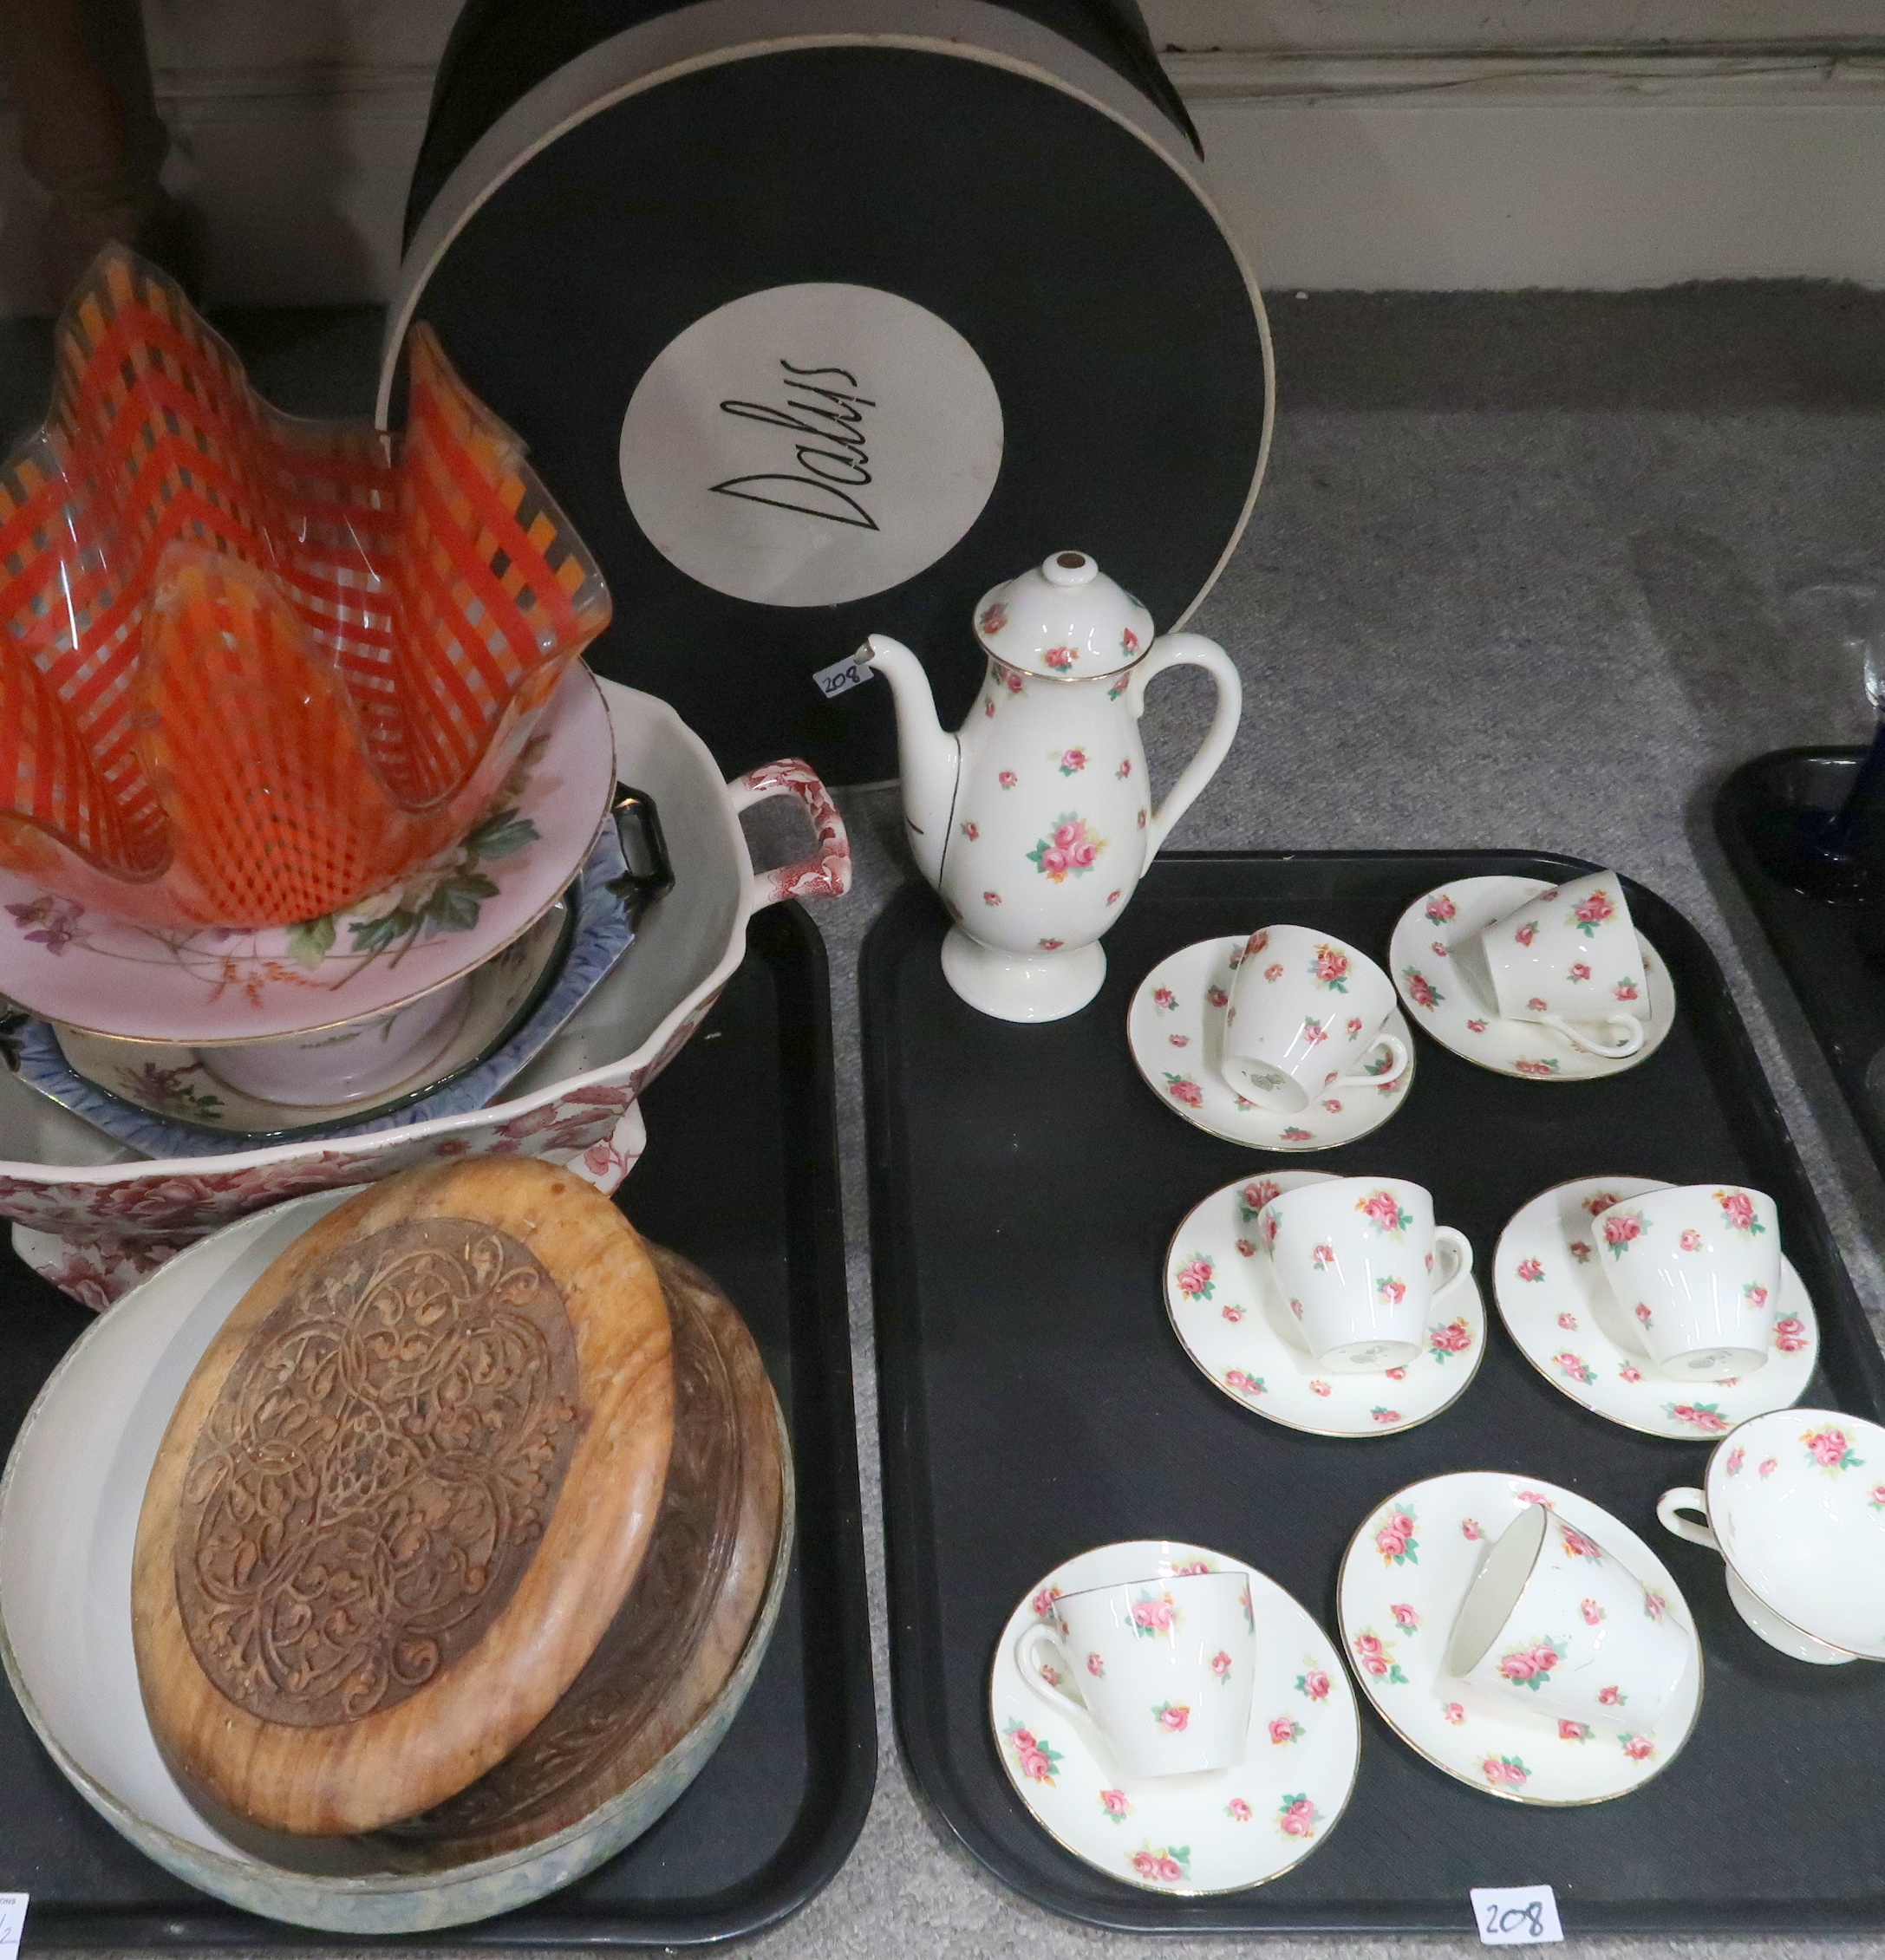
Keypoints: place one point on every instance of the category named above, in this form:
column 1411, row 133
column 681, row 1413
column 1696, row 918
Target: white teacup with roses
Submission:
column 1695, row 1270
column 1555, row 1626
column 1161, row 1668
column 1569, row 960
column 1358, row 1262
column 1304, row 1016
column 1794, row 1504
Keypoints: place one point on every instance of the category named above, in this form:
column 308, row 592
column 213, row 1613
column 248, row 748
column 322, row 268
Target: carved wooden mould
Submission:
column 403, row 1496
column 684, row 1625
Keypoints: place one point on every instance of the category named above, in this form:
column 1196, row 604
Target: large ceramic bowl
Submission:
column 95, row 1218
column 69, row 1513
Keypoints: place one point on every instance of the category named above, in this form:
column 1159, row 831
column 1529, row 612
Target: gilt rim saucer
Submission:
column 1431, row 957
column 1228, row 1320
column 1221, row 1830
column 1403, row 1579
column 1558, row 1309
column 1175, row 1042
column 216, row 985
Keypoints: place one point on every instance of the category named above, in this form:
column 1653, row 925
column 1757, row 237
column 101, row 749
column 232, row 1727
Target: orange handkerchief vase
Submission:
column 255, row 669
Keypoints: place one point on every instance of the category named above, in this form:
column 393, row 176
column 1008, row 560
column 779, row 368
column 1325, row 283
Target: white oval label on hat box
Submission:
column 809, row 444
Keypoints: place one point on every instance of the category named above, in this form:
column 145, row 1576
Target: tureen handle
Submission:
column 826, row 873
column 1191, row 649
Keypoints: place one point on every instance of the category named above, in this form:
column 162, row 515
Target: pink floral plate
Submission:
column 1556, row 1304
column 1403, row 1580
column 1434, row 958
column 112, row 976
column 1221, row 1830
column 1225, row 1313
column 1174, row 1028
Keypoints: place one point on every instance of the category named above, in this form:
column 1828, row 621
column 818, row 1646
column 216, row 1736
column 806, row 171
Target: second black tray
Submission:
column 1034, row 1401
column 741, row 1177
column 1842, row 991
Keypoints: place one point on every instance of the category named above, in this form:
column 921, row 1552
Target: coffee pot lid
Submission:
column 1065, row 620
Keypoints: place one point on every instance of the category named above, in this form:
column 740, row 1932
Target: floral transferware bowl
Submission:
column 169, row 1102
column 93, row 1219
column 255, row 669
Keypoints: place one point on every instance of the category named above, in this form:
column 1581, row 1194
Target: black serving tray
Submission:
column 740, row 1177
column 1842, row 991
column 1025, row 1185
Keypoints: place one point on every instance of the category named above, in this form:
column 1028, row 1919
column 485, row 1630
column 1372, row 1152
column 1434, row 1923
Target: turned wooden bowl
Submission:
column 402, row 1497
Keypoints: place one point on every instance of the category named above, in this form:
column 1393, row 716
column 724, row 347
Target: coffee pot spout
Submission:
column 930, row 759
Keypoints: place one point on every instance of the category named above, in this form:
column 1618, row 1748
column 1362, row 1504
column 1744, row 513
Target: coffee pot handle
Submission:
column 1669, row 1509
column 1191, row 649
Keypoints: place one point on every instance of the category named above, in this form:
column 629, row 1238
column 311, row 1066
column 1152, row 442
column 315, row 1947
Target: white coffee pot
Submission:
column 1033, row 821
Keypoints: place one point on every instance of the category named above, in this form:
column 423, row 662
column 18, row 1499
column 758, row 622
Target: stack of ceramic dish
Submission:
column 593, row 1529
column 94, row 1217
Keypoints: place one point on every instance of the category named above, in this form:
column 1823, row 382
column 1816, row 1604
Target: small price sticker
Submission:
column 12, row 1922
column 843, row 675
column 1516, row 1915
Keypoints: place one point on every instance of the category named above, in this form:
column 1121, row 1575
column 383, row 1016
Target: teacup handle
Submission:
column 1037, row 1644
column 1191, row 649
column 1631, row 1041
column 1669, row 1509
column 1398, row 1060
column 1448, row 1238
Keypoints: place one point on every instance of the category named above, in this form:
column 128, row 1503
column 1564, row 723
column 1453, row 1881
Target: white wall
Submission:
column 1360, row 143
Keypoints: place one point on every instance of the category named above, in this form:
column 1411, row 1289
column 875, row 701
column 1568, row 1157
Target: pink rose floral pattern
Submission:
column 1455, row 1337
column 1832, row 1449
column 1070, row 762
column 1313, row 1685
column 1530, row 1665
column 1440, row 908
column 1116, row 1804
column 1591, row 913
column 1505, row 1772
column 1620, row 1229
column 1738, row 1214
column 1247, row 1385
column 1068, row 851
column 1284, row 1728
column 1703, row 1417
column 1238, row 1810
column 1530, row 1269
column 1420, row 990
column 1167, row 1866
column 1382, row 1210
column 1174, row 1717
column 1194, row 1278
column 1330, row 969
column 1182, row 1088
column 1575, row 1368
column 1035, row 1760
column 1395, row 1539
column 1297, row 1817
column 1153, row 1613
column 1375, row 1657
column 1255, row 1195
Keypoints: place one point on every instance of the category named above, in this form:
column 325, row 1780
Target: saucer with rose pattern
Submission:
column 1175, row 1027
column 1225, row 1312
column 1555, row 1303
column 1403, row 1580
column 1440, row 975
column 1219, row 1830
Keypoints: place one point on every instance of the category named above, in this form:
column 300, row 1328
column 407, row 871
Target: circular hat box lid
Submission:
column 402, row 1496
column 822, row 317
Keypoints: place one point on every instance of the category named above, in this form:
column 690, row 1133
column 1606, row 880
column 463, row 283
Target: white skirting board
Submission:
column 1364, row 170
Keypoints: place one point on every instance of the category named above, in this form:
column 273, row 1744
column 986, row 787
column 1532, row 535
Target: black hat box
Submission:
column 821, row 317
